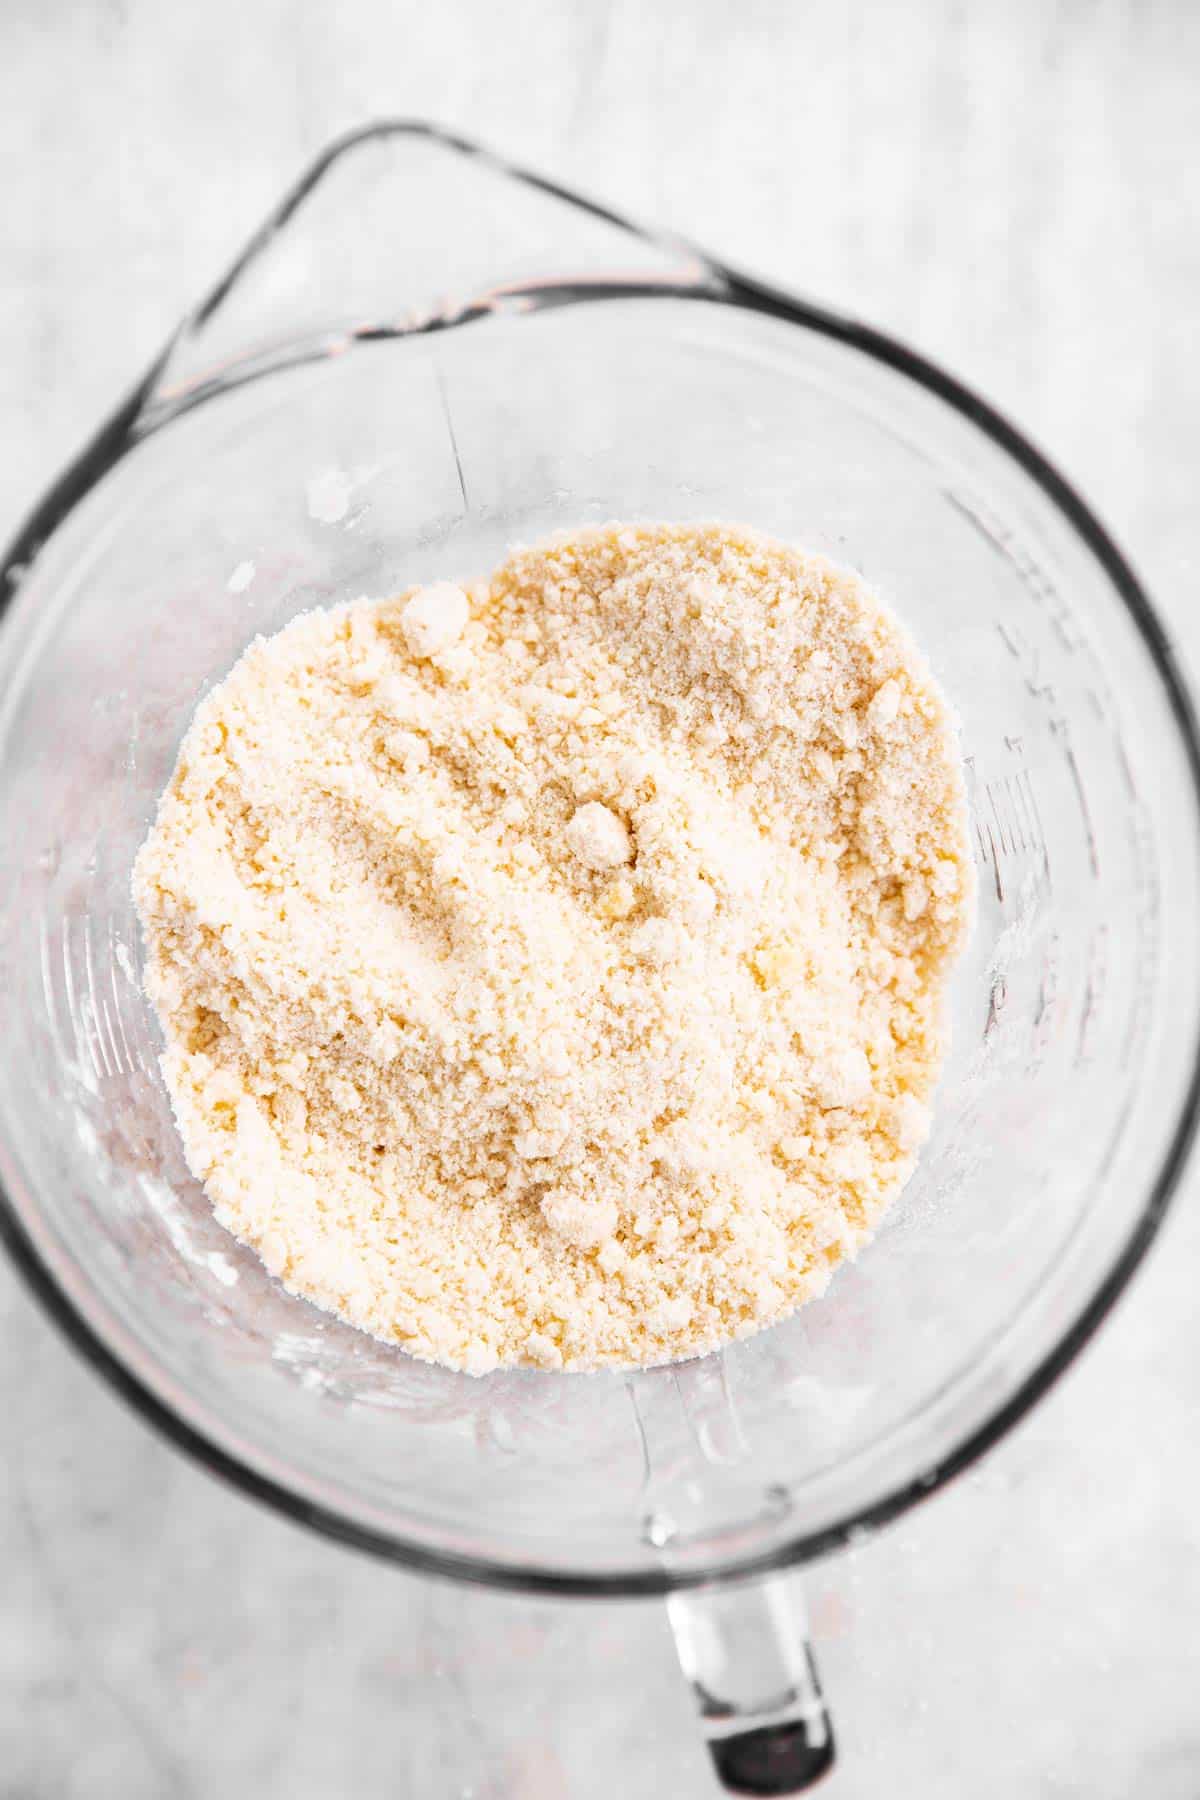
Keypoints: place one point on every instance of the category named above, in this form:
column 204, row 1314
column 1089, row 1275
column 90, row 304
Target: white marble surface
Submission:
column 1011, row 186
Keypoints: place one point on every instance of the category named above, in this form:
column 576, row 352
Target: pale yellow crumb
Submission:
column 551, row 970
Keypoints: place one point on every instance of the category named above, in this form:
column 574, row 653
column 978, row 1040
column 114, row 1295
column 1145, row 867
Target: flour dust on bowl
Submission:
column 424, row 358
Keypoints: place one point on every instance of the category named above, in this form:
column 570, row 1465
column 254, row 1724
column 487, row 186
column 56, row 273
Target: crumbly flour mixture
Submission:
column 551, row 970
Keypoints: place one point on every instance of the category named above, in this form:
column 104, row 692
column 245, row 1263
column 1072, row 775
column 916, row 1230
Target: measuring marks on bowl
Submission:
column 95, row 1033
column 1006, row 821
column 1044, row 648
column 1055, row 804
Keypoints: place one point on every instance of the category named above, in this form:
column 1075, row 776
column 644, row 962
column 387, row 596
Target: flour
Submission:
column 551, row 969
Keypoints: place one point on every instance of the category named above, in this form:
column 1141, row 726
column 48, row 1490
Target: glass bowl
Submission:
column 422, row 357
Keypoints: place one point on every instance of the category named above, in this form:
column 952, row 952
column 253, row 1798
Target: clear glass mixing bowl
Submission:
column 421, row 358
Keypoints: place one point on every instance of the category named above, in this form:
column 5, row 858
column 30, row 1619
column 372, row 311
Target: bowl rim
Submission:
column 728, row 286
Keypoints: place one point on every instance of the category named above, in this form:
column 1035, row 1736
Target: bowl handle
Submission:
column 742, row 1642
column 745, row 1650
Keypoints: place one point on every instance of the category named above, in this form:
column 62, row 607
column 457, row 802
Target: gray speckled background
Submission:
column 1012, row 187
